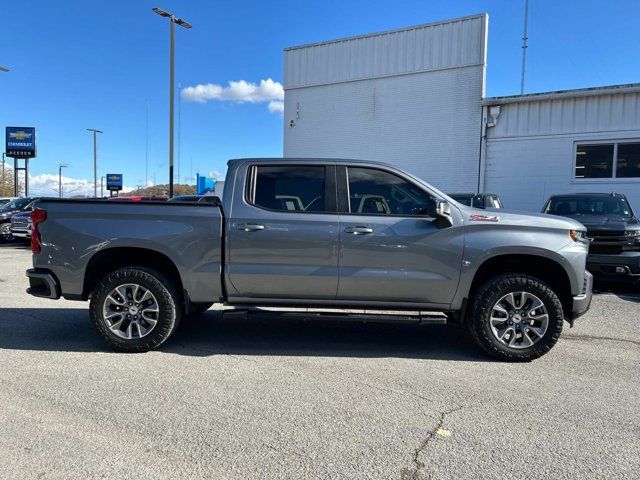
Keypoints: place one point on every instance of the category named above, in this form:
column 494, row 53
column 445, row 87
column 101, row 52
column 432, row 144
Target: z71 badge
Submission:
column 484, row 218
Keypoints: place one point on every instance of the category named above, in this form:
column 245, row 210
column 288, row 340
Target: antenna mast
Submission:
column 524, row 45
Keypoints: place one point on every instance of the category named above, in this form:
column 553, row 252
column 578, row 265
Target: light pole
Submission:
column 60, row 167
column 184, row 24
column 101, row 187
column 3, row 157
column 95, row 161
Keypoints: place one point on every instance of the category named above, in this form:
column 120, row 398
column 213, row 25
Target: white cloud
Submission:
column 276, row 106
column 46, row 185
column 239, row 92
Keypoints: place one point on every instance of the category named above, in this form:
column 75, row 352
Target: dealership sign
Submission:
column 20, row 142
column 114, row 181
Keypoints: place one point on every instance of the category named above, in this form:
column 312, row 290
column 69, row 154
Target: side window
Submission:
column 375, row 192
column 288, row 188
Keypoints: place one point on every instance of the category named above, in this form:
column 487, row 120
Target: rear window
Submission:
column 594, row 205
column 288, row 188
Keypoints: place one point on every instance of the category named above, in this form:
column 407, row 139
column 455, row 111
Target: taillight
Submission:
column 37, row 216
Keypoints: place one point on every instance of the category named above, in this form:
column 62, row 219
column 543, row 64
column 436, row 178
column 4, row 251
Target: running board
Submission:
column 364, row 316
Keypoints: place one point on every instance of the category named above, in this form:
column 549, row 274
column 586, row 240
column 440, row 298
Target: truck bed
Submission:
column 80, row 233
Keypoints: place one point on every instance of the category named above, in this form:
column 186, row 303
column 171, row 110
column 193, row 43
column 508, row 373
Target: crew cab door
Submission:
column 283, row 232
column 391, row 251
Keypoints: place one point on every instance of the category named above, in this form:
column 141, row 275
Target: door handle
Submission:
column 250, row 227
column 359, row 230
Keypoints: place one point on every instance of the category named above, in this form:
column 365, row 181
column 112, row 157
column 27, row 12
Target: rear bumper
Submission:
column 582, row 302
column 622, row 267
column 42, row 283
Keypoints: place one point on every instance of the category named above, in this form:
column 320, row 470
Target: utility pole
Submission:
column 184, row 24
column 60, row 167
column 95, row 161
column 101, row 187
column 146, row 145
column 524, row 45
column 3, row 157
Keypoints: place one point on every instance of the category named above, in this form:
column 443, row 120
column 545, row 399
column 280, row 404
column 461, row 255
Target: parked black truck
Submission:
column 612, row 227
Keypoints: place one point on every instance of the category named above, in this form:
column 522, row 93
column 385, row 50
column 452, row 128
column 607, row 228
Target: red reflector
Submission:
column 37, row 216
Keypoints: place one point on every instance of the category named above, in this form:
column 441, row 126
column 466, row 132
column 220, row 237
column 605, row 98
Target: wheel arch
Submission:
column 110, row 259
column 546, row 269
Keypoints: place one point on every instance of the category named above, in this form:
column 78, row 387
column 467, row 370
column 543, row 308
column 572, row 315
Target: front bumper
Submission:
column 42, row 283
column 582, row 302
column 624, row 266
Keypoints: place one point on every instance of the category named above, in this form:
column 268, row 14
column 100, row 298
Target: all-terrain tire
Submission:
column 490, row 293
column 162, row 288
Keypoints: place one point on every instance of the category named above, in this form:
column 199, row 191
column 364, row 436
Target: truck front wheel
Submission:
column 516, row 317
column 135, row 309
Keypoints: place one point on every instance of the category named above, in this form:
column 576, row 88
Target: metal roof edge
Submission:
column 484, row 15
column 559, row 94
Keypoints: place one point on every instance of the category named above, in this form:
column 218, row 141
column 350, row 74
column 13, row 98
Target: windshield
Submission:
column 469, row 200
column 611, row 206
column 463, row 199
column 16, row 204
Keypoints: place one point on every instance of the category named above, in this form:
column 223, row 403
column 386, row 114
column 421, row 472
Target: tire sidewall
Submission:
column 492, row 291
column 168, row 305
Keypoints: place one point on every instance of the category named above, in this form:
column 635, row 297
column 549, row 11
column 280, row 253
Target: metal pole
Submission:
column 15, row 177
column 95, row 166
column 171, row 101
column 59, row 181
column 26, row 177
column 146, row 145
column 3, row 157
column 524, row 45
column 101, row 187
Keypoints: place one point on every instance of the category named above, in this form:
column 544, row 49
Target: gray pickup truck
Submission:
column 338, row 234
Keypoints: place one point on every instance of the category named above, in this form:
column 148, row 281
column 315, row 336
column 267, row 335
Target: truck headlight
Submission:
column 578, row 236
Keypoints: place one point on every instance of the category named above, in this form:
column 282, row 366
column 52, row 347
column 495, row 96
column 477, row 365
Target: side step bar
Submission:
column 364, row 316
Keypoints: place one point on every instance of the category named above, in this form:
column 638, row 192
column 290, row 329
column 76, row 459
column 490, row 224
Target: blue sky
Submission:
column 80, row 64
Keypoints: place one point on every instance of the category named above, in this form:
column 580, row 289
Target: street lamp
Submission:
column 60, row 167
column 95, row 161
column 3, row 69
column 184, row 24
column 3, row 157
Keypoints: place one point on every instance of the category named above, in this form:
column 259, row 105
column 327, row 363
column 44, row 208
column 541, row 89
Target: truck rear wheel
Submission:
column 516, row 317
column 135, row 309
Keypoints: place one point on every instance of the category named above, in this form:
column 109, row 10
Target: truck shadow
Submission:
column 210, row 334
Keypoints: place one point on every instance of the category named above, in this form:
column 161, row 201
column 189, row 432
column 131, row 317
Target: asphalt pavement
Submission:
column 281, row 398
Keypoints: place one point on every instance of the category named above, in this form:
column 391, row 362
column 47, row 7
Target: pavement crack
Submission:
column 417, row 471
column 594, row 337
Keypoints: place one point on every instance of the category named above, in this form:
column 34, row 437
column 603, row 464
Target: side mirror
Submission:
column 441, row 210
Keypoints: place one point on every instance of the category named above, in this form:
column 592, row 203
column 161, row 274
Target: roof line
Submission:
column 578, row 92
column 386, row 32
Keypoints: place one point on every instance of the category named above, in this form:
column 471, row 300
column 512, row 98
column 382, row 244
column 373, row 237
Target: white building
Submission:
column 410, row 97
column 415, row 98
column 562, row 142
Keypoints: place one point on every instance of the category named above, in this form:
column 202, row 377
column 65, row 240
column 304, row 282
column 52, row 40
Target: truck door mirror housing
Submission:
column 441, row 210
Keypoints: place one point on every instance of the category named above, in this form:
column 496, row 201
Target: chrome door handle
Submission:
column 359, row 230
column 250, row 227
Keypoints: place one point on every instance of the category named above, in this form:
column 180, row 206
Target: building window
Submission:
column 628, row 160
column 608, row 160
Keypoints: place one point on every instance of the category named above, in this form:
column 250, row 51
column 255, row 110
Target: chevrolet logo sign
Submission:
column 20, row 135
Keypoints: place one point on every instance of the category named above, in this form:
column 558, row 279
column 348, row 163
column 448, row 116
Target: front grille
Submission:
column 608, row 249
column 605, row 233
column 19, row 222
